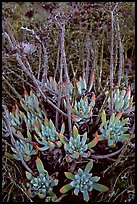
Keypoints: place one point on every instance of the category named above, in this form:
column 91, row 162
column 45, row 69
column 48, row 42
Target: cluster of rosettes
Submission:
column 113, row 130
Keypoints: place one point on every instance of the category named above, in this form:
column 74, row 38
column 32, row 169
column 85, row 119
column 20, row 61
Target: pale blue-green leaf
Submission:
column 69, row 175
column 28, row 175
column 86, row 195
column 66, row 188
column 88, row 167
column 100, row 187
column 39, row 165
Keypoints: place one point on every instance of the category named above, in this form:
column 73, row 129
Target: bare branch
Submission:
column 120, row 52
column 63, row 57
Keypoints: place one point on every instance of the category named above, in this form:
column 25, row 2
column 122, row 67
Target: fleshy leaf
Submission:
column 88, row 167
column 103, row 117
column 94, row 141
column 100, row 187
column 86, row 196
column 28, row 175
column 62, row 129
column 69, row 175
column 62, row 138
column 39, row 165
column 75, row 131
column 41, row 196
column 66, row 188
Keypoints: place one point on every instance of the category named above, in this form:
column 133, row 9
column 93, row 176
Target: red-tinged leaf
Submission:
column 29, row 192
column 74, row 117
column 62, row 138
column 34, row 144
column 66, row 188
column 36, row 147
column 128, row 93
column 26, row 158
column 30, row 87
column 16, row 104
column 50, row 79
column 13, row 109
column 36, row 124
column 51, row 144
column 25, row 93
column 90, row 113
column 25, row 181
column 89, row 152
column 94, row 141
column 118, row 116
column 93, row 96
column 58, row 143
column 68, row 158
column 39, row 165
column 46, row 121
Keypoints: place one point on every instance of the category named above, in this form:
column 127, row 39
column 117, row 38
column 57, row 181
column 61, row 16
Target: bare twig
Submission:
column 37, row 85
column 107, row 155
column 131, row 186
column 111, row 62
column 87, row 60
column 57, row 63
column 39, row 68
column 44, row 76
column 120, row 52
column 63, row 57
column 101, row 60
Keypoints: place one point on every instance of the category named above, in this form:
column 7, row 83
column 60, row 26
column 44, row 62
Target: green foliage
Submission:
column 83, row 182
column 42, row 185
column 83, row 109
column 113, row 130
column 56, row 86
column 48, row 136
column 25, row 149
column 122, row 101
column 76, row 146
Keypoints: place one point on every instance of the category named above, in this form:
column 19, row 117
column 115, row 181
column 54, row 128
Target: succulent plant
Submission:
column 82, row 109
column 26, row 149
column 82, row 86
column 76, row 146
column 42, row 184
column 31, row 100
column 48, row 136
column 113, row 130
column 52, row 84
column 83, row 182
column 123, row 101
column 14, row 117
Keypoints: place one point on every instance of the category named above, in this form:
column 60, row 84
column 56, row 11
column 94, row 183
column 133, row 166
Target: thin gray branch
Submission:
column 120, row 52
